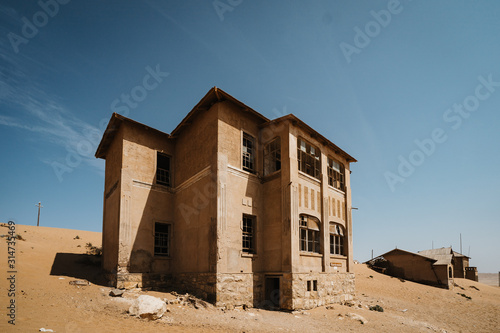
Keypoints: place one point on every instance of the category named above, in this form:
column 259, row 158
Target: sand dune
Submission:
column 48, row 259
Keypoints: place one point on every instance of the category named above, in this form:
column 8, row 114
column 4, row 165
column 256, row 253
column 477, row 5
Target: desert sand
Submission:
column 47, row 259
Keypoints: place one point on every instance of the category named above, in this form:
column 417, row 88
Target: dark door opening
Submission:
column 272, row 293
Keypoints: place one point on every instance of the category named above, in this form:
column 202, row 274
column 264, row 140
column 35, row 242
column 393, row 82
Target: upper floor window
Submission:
column 248, row 234
column 309, row 234
column 163, row 169
column 336, row 174
column 272, row 156
column 162, row 239
column 248, row 153
column 309, row 158
column 336, row 239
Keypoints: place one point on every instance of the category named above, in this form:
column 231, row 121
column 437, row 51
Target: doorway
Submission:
column 272, row 293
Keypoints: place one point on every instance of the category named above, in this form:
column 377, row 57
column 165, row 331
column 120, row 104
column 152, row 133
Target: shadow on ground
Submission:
column 79, row 266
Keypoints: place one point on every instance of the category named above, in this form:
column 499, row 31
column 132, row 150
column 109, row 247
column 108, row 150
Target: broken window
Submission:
column 162, row 239
column 336, row 174
column 248, row 153
column 163, row 169
column 336, row 239
column 309, row 234
column 272, row 157
column 248, row 234
column 308, row 158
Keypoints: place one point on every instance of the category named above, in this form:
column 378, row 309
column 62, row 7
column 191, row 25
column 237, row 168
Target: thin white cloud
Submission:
column 27, row 106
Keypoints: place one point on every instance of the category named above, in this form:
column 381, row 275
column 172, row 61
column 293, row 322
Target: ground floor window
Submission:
column 309, row 234
column 248, row 234
column 162, row 239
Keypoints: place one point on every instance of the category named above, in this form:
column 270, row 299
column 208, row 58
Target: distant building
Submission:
column 435, row 267
column 231, row 206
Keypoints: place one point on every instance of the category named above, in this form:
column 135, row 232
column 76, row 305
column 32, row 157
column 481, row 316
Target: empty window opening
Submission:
column 308, row 285
column 336, row 174
column 308, row 158
column 315, row 285
column 309, row 234
column 272, row 157
column 163, row 169
column 248, row 234
column 248, row 153
column 336, row 239
column 162, row 239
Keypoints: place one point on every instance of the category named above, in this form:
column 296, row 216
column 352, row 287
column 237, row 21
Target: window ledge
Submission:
column 309, row 177
column 271, row 176
column 311, row 254
column 336, row 189
column 162, row 258
column 337, row 256
column 248, row 255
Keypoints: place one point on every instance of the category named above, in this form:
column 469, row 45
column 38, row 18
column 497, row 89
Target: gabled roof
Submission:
column 313, row 133
column 444, row 255
column 213, row 96
column 113, row 126
column 399, row 251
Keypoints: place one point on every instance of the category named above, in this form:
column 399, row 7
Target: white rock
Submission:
column 150, row 307
column 45, row 330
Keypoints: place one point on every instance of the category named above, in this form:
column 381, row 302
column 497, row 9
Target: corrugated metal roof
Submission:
column 444, row 255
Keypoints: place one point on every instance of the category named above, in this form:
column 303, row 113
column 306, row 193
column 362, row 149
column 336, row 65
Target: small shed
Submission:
column 416, row 267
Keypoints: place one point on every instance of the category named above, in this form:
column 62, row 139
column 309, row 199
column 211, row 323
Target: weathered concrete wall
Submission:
column 111, row 205
column 142, row 201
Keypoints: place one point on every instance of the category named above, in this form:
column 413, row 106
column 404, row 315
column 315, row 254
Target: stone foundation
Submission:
column 329, row 288
column 247, row 289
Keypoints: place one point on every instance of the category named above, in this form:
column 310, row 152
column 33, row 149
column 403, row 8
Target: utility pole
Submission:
column 460, row 243
column 39, row 206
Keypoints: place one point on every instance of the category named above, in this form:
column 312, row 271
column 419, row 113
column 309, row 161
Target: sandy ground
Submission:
column 48, row 259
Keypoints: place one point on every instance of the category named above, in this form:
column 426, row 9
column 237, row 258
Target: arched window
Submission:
column 336, row 239
column 309, row 234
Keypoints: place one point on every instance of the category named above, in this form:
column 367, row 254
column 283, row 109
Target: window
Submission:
column 309, row 234
column 248, row 234
column 308, row 285
column 315, row 285
column 272, row 157
column 163, row 169
column 162, row 239
column 248, row 153
column 336, row 239
column 336, row 174
column 309, row 158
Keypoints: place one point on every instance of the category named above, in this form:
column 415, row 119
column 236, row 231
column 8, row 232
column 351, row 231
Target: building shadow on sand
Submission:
column 79, row 266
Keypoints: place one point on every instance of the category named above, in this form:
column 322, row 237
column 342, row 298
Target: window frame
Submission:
column 168, row 238
column 309, row 238
column 250, row 156
column 336, row 178
column 272, row 156
column 168, row 182
column 337, row 240
column 308, row 157
column 248, row 236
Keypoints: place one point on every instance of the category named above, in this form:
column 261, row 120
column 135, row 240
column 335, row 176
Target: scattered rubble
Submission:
column 79, row 283
column 116, row 292
column 355, row 316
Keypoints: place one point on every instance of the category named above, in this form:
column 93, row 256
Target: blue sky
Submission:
column 410, row 88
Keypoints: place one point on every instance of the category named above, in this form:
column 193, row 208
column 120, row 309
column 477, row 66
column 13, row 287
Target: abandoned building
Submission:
column 437, row 267
column 231, row 206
